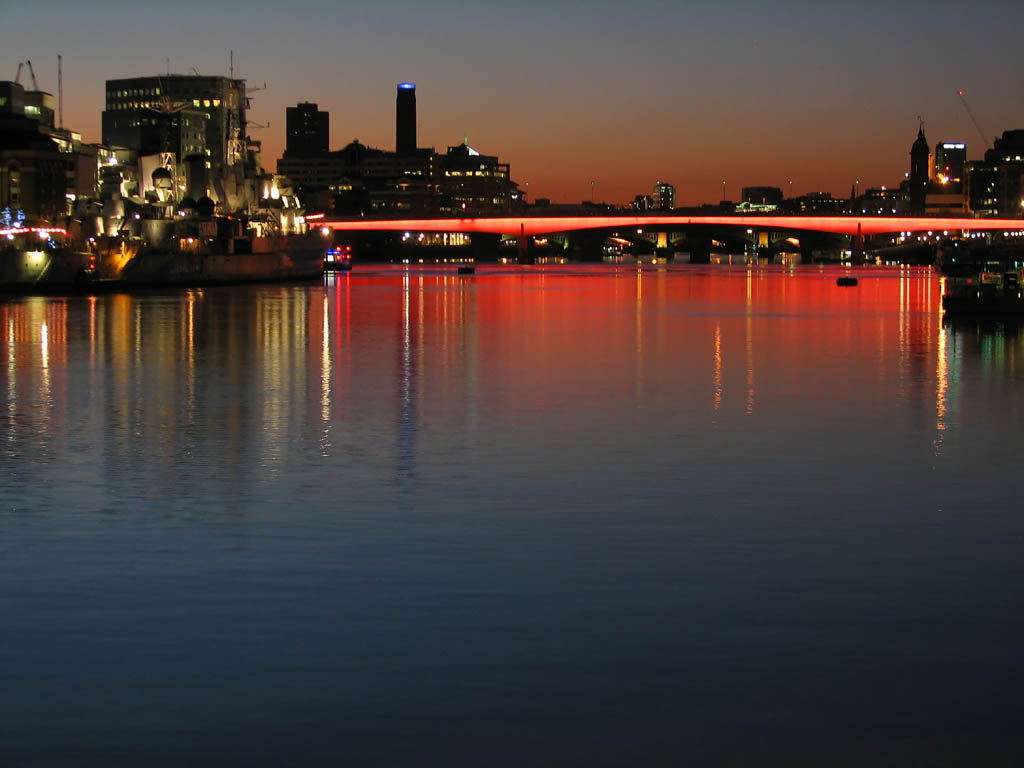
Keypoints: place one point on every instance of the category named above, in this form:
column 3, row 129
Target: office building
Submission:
column 405, row 119
column 995, row 185
column 664, row 196
column 307, row 130
column 950, row 159
column 179, row 114
column 474, row 183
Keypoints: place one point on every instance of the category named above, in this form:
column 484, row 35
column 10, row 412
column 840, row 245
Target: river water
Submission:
column 546, row 516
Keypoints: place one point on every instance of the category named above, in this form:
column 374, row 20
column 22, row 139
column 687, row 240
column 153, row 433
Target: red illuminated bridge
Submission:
column 541, row 225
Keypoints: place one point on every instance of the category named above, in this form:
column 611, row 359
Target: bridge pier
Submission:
column 857, row 247
column 523, row 246
column 700, row 247
column 588, row 245
column 806, row 251
column 484, row 246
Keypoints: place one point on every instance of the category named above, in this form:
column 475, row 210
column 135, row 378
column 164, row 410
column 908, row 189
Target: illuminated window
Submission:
column 216, row 102
column 195, row 102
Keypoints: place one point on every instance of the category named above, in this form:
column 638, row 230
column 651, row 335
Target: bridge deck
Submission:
column 542, row 225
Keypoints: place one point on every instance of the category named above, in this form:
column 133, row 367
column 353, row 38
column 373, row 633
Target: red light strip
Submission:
column 25, row 230
column 542, row 225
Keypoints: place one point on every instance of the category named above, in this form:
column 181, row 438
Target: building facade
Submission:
column 664, row 196
column 179, row 113
column 307, row 130
column 405, row 119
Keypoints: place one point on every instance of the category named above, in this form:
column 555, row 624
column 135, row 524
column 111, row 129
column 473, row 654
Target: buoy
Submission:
column 846, row 281
column 467, row 270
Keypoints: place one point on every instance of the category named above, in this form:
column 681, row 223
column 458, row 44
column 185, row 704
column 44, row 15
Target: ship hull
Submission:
column 271, row 259
column 23, row 269
column 976, row 305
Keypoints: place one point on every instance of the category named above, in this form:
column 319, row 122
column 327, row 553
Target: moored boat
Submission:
column 990, row 293
column 39, row 257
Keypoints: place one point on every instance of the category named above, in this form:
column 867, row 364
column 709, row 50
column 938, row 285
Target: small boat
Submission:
column 338, row 259
column 990, row 293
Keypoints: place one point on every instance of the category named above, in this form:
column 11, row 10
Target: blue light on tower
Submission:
column 407, row 86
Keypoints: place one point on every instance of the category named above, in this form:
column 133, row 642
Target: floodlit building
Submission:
column 179, row 114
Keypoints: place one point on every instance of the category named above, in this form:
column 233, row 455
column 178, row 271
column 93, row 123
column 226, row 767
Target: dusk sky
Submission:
column 569, row 92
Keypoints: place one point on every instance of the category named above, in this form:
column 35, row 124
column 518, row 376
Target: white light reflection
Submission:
column 718, row 367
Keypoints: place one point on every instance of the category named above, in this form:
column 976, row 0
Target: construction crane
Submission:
column 970, row 114
column 17, row 77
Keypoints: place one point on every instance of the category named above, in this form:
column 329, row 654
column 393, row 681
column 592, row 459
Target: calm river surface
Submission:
column 542, row 516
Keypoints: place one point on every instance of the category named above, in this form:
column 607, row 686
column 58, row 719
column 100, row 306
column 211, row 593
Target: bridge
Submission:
column 697, row 227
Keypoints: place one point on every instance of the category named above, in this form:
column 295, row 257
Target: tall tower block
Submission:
column 405, row 119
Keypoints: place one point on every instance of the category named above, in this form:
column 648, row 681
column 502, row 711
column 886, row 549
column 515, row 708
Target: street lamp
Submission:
column 591, row 190
column 723, row 191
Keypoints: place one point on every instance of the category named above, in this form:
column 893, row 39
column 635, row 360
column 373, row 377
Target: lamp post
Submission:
column 723, row 191
column 592, row 190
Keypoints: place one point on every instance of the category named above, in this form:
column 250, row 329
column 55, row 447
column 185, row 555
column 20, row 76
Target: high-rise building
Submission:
column 307, row 130
column 211, row 105
column 920, row 171
column 664, row 196
column 405, row 119
column 950, row 158
column 996, row 185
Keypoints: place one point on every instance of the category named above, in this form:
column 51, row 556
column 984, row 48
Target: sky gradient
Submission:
column 569, row 92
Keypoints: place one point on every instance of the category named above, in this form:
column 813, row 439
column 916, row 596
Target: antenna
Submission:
column 232, row 70
column 60, row 94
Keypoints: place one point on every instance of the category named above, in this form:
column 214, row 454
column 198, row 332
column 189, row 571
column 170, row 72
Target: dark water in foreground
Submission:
column 560, row 516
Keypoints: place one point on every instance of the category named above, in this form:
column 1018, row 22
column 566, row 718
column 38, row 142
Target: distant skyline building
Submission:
column 950, row 159
column 664, row 196
column 405, row 119
column 995, row 185
column 761, row 195
column 307, row 130
column 361, row 179
column 920, row 171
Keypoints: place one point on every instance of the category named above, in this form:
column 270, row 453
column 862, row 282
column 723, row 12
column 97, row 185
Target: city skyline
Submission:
column 621, row 98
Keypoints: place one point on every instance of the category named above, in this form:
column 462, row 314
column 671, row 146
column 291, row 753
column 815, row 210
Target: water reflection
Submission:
column 166, row 379
column 290, row 488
